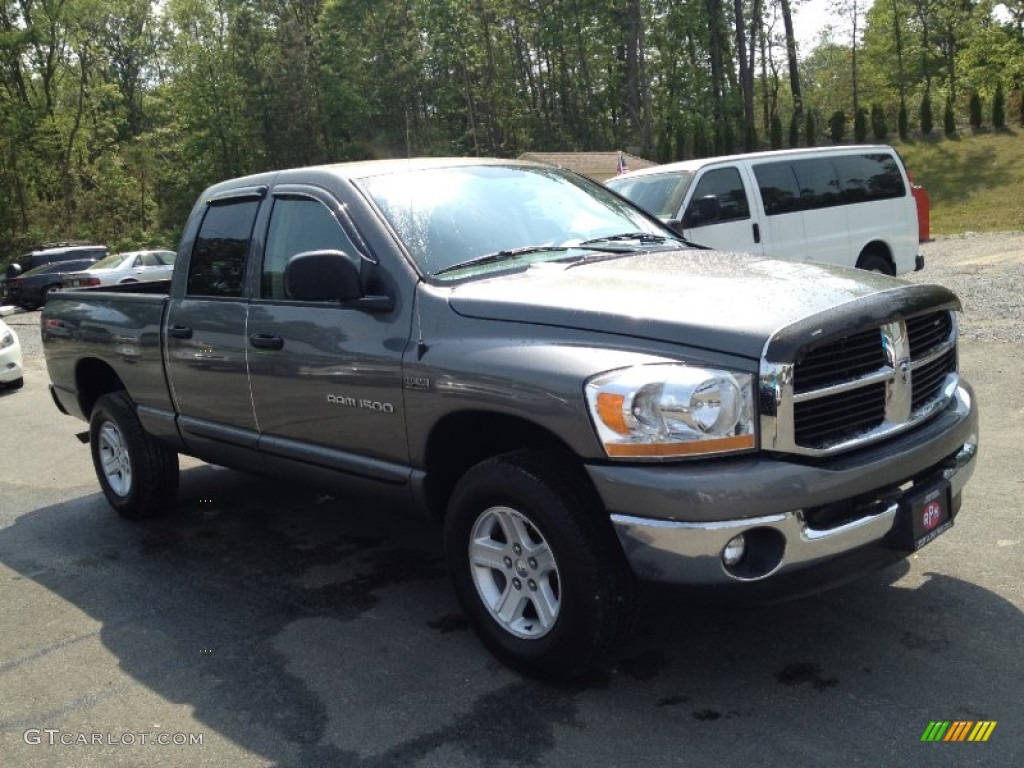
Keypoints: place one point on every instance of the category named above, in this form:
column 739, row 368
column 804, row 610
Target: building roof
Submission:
column 596, row 165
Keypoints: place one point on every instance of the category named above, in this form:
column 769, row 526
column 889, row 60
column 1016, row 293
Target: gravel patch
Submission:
column 987, row 272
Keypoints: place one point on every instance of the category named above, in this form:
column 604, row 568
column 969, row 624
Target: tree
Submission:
column 975, row 111
column 902, row 123
column 837, row 126
column 879, row 129
column 949, row 118
column 794, row 131
column 776, row 133
column 926, row 114
column 860, row 125
column 999, row 108
column 810, row 130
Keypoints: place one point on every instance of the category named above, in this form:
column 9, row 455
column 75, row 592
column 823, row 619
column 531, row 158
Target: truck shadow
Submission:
column 313, row 631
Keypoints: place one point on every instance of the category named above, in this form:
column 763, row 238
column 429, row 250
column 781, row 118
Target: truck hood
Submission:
column 725, row 302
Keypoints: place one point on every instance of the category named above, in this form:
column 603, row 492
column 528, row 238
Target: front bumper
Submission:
column 674, row 522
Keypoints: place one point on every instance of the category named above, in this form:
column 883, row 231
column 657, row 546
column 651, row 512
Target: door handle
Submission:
column 180, row 332
column 757, row 233
column 266, row 341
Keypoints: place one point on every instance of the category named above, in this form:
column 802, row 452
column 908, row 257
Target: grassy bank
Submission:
column 975, row 181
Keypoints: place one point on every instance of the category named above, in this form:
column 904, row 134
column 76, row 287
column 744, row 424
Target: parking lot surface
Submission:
column 266, row 624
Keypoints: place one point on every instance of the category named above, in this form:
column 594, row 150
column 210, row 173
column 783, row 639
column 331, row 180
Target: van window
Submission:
column 779, row 189
column 869, row 177
column 726, row 185
column 819, row 184
column 660, row 194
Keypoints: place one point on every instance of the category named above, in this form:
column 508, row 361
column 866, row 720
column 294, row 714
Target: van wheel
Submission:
column 138, row 475
column 535, row 566
column 873, row 261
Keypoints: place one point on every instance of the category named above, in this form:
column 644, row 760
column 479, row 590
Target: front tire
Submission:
column 138, row 475
column 536, row 566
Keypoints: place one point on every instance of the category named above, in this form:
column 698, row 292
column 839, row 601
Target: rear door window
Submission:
column 778, row 186
column 869, row 177
column 217, row 267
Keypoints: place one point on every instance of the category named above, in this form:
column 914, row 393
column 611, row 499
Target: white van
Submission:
column 846, row 205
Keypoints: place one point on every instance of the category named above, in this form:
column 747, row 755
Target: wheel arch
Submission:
column 879, row 249
column 93, row 379
column 462, row 440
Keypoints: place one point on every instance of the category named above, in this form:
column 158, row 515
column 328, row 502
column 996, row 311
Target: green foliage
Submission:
column 700, row 140
column 975, row 110
column 680, row 141
column 114, row 114
column 926, row 115
column 879, row 126
column 999, row 108
column 837, row 126
column 949, row 119
column 860, row 125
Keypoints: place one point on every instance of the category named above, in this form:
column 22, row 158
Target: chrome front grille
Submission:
column 844, row 392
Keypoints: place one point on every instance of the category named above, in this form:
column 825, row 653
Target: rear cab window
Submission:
column 217, row 266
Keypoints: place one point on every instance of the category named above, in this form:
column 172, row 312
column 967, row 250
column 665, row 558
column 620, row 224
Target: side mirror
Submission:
column 702, row 211
column 322, row 276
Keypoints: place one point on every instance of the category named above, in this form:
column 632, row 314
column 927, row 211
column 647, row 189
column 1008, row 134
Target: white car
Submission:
column 11, row 376
column 129, row 267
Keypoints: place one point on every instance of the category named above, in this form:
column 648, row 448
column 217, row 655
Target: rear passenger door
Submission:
column 717, row 212
column 206, row 340
column 784, row 236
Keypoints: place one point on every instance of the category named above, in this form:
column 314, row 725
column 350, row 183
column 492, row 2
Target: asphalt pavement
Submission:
column 270, row 625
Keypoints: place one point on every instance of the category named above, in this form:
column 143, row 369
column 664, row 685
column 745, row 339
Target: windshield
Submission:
column 454, row 216
column 659, row 193
column 111, row 261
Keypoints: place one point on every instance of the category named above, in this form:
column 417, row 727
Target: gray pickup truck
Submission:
column 580, row 398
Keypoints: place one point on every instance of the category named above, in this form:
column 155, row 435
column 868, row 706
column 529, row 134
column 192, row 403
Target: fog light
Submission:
column 733, row 552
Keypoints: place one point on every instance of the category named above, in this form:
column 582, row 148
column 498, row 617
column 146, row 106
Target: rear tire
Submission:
column 873, row 261
column 536, row 566
column 138, row 475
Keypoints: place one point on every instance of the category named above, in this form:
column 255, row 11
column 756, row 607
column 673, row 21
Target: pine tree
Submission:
column 794, row 131
column 776, row 137
column 879, row 128
column 926, row 115
column 837, row 126
column 860, row 125
column 999, row 108
column 949, row 119
column 902, row 122
column 975, row 110
column 810, row 129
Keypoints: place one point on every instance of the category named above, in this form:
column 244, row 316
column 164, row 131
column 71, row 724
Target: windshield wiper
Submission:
column 643, row 237
column 511, row 253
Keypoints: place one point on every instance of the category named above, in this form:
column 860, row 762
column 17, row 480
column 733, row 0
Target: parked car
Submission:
column 11, row 376
column 49, row 253
column 129, row 267
column 844, row 205
column 30, row 289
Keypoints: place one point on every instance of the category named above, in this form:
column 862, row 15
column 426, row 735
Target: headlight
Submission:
column 7, row 340
column 667, row 410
